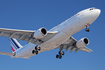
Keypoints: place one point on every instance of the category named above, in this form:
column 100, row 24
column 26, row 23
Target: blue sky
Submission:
column 34, row 14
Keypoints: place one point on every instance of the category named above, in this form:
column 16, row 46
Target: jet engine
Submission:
column 40, row 33
column 82, row 43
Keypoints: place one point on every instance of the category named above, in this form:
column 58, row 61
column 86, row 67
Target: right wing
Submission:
column 69, row 45
column 25, row 35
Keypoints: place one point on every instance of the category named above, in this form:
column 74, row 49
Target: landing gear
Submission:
column 61, row 52
column 59, row 55
column 33, row 51
column 87, row 29
column 36, row 50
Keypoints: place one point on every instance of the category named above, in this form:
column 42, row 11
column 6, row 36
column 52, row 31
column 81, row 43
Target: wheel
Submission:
column 57, row 56
column 63, row 53
column 39, row 48
column 36, row 52
column 33, row 51
column 35, row 47
column 87, row 30
column 60, row 56
column 59, row 52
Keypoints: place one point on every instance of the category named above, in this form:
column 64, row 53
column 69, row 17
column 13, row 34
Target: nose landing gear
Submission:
column 87, row 29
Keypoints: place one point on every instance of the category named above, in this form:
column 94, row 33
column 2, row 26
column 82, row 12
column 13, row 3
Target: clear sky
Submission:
column 34, row 14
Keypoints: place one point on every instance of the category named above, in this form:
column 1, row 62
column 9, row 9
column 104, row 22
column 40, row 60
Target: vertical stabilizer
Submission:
column 15, row 45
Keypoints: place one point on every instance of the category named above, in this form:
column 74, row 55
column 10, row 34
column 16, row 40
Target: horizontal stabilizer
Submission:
column 5, row 53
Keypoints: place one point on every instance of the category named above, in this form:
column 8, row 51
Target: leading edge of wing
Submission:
column 6, row 29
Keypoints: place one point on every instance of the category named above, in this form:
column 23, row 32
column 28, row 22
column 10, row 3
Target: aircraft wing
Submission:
column 25, row 35
column 69, row 44
column 5, row 53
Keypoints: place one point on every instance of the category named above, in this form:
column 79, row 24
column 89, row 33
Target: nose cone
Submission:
column 94, row 15
column 97, row 12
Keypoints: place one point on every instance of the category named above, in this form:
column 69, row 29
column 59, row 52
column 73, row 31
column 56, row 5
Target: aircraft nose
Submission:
column 98, row 11
column 95, row 14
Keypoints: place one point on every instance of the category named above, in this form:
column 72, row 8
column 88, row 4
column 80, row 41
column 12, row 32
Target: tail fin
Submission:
column 15, row 44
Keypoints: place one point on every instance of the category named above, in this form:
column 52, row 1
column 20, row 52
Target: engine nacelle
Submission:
column 82, row 43
column 40, row 33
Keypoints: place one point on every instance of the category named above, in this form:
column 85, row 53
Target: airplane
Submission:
column 59, row 37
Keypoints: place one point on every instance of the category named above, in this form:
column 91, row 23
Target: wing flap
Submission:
column 85, row 49
column 18, row 34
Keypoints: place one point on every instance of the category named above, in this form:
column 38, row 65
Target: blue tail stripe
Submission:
column 15, row 43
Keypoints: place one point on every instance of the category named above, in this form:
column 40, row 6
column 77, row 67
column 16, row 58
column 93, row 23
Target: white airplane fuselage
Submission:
column 65, row 30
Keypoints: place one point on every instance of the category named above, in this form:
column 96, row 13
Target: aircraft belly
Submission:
column 54, row 42
column 26, row 52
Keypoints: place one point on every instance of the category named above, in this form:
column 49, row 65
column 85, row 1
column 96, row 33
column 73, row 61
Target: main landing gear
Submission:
column 87, row 29
column 59, row 55
column 36, row 49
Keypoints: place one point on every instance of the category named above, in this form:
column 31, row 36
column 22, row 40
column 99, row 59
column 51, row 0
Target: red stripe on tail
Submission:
column 12, row 49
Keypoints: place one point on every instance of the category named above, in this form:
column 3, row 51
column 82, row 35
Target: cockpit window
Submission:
column 92, row 8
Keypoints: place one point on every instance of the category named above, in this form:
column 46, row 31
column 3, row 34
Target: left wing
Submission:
column 26, row 35
column 18, row 34
column 70, row 45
